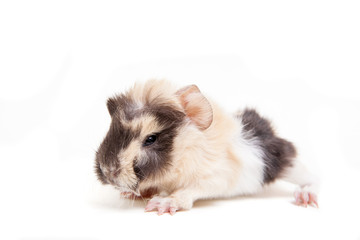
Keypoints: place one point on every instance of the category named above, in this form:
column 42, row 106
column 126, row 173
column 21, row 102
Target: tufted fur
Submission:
column 200, row 151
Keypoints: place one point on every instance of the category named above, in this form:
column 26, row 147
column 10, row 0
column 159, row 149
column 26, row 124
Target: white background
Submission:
column 297, row 62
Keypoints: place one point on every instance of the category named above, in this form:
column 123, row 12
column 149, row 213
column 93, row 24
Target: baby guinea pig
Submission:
column 175, row 146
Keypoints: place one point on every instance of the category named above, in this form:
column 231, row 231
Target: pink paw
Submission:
column 162, row 205
column 304, row 198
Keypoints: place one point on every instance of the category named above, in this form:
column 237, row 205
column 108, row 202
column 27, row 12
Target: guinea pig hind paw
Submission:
column 162, row 205
column 305, row 198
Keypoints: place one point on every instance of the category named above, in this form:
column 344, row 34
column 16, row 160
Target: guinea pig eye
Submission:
column 149, row 140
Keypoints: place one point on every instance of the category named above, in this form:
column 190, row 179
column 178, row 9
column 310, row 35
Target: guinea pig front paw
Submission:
column 162, row 205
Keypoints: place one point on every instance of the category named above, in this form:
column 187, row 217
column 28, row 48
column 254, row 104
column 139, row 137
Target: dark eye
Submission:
column 149, row 140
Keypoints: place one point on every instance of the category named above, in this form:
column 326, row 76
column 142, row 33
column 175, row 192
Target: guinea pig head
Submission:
column 144, row 124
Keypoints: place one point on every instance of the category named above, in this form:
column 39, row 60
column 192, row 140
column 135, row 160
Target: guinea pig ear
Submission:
column 111, row 105
column 196, row 106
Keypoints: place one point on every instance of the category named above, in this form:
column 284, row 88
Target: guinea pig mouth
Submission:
column 125, row 192
column 128, row 194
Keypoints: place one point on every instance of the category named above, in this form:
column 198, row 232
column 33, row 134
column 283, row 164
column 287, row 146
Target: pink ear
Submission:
column 196, row 106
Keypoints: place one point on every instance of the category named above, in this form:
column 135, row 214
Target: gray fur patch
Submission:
column 278, row 153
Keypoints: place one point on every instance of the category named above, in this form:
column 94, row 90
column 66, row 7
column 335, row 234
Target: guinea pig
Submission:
column 175, row 146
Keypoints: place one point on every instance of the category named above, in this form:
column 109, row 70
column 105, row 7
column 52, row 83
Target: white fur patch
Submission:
column 251, row 173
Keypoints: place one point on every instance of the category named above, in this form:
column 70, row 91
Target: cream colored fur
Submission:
column 213, row 163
